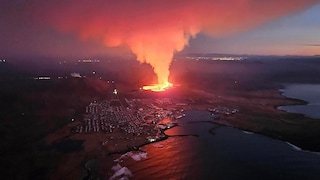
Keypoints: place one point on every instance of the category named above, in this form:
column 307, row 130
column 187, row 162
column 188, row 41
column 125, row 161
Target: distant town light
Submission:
column 75, row 75
column 42, row 78
column 89, row 61
column 115, row 91
column 217, row 58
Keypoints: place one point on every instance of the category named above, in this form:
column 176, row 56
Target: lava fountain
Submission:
column 158, row 50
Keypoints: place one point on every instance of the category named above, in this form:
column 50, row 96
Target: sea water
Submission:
column 307, row 92
column 219, row 152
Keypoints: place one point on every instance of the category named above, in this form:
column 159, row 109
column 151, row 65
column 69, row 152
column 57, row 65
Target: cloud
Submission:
column 155, row 29
column 311, row 44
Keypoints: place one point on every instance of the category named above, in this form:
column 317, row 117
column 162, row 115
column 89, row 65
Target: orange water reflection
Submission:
column 174, row 158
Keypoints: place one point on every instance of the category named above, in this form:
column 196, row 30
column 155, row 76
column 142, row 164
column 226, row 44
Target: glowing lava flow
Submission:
column 158, row 87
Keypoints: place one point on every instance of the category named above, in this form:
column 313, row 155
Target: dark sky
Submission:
column 73, row 28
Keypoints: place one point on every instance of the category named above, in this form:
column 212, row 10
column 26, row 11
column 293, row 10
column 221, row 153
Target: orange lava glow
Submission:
column 154, row 30
column 158, row 87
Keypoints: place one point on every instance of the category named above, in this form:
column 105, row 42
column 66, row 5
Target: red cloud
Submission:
column 155, row 29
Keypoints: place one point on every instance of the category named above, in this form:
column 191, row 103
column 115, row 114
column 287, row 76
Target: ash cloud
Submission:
column 155, row 29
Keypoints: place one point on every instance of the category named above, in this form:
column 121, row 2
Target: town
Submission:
column 137, row 117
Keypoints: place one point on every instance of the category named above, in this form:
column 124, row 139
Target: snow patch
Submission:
column 122, row 173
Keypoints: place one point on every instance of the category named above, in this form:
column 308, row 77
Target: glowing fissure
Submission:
column 158, row 87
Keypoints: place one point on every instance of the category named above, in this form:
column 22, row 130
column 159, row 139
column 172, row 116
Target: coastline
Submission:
column 295, row 100
column 308, row 106
column 129, row 162
column 252, row 117
column 227, row 123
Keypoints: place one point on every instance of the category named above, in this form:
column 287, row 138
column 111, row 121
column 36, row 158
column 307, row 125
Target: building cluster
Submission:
column 152, row 111
column 89, row 61
column 134, row 116
column 223, row 110
column 42, row 78
column 105, row 117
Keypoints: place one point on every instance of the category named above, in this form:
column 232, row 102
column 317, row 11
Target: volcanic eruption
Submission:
column 156, row 29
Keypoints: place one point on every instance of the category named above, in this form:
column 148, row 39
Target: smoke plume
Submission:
column 155, row 29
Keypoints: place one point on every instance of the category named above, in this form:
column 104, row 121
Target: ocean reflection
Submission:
column 175, row 158
column 227, row 153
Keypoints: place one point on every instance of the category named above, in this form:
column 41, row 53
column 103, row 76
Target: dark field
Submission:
column 32, row 110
